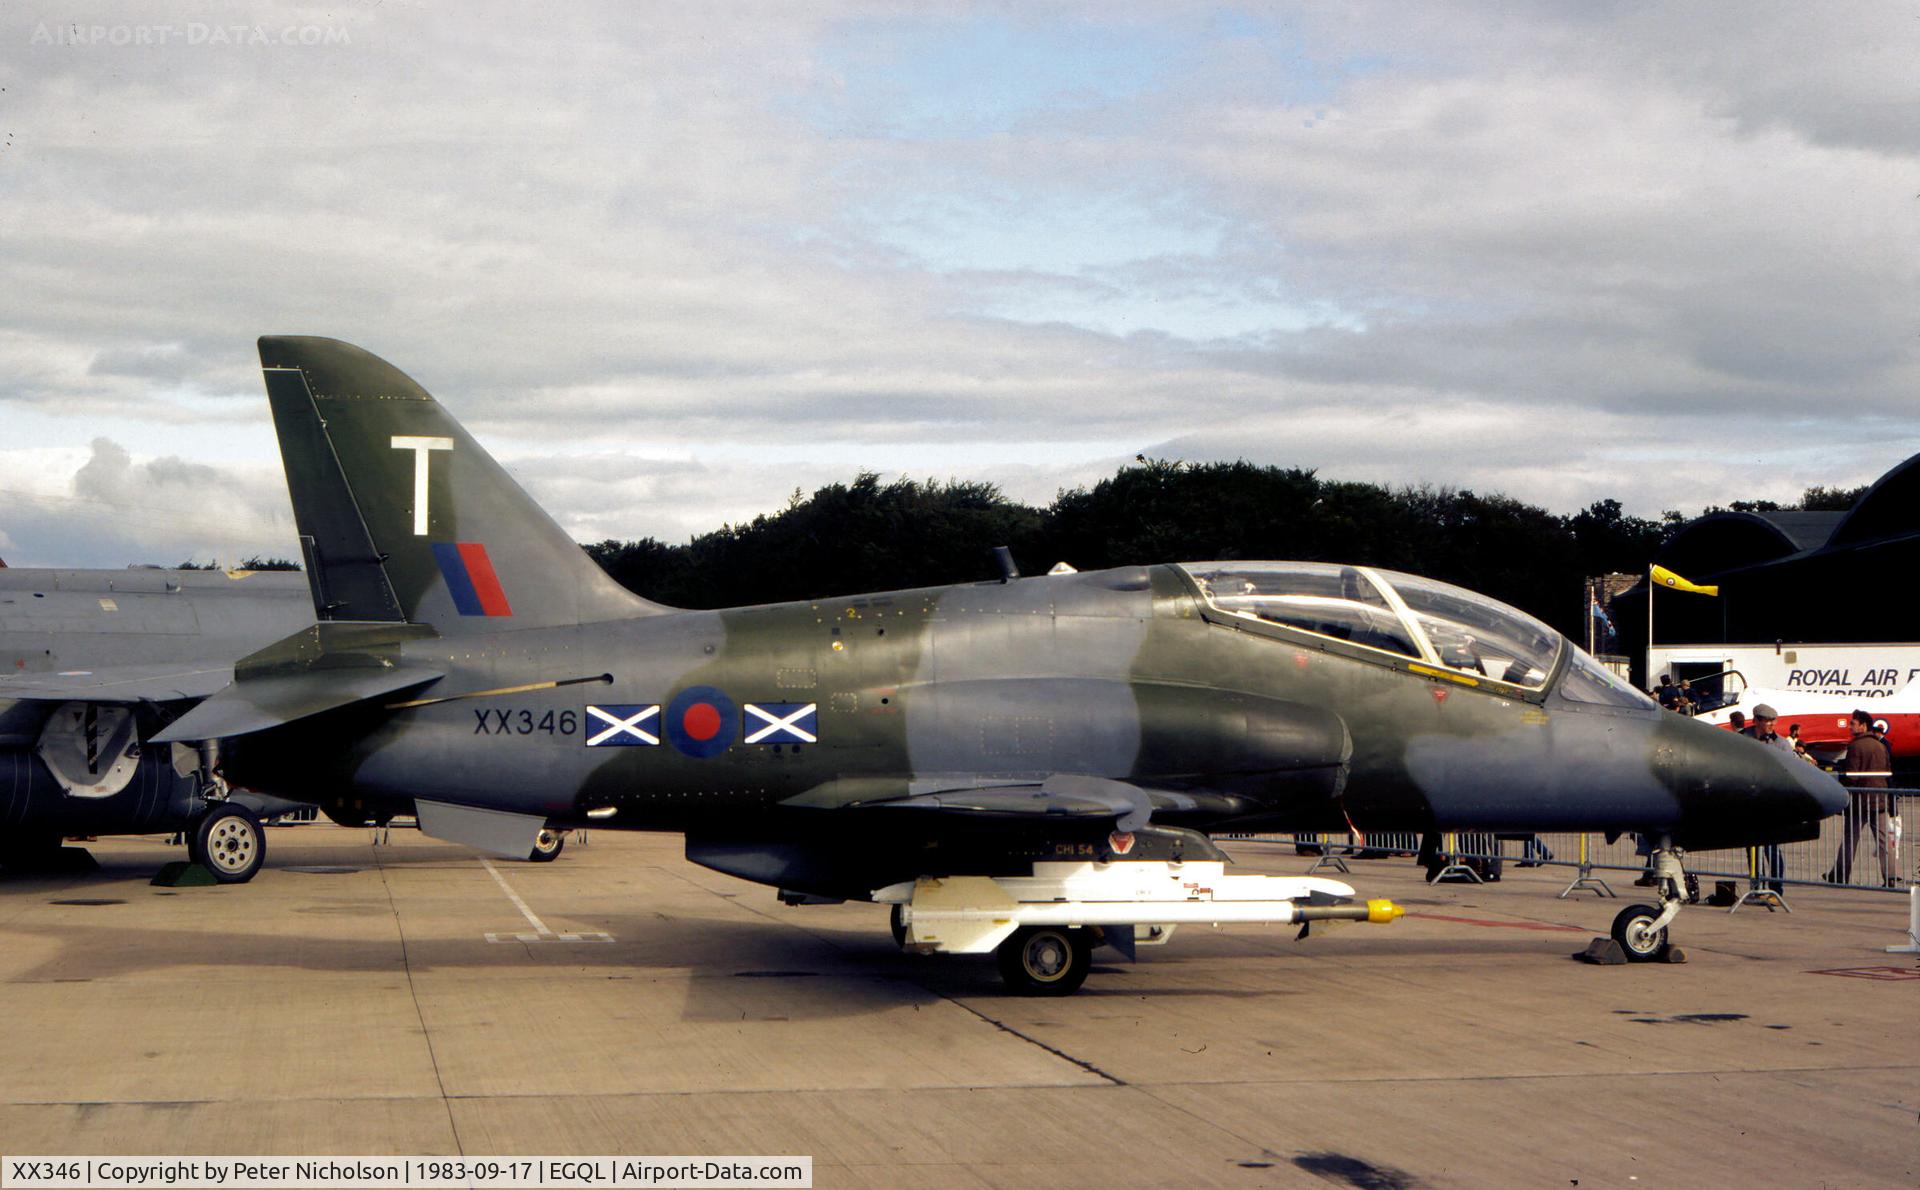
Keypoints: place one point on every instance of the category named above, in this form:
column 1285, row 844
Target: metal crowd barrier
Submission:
column 1871, row 846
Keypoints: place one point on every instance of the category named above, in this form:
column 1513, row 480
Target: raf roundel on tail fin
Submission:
column 404, row 517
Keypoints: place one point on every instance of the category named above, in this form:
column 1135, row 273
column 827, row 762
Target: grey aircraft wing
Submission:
column 122, row 683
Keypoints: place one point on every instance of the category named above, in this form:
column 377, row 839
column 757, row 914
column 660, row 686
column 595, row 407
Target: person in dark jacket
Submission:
column 1868, row 765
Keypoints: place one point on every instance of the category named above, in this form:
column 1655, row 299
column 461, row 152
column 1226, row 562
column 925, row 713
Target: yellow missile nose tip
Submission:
column 1383, row 910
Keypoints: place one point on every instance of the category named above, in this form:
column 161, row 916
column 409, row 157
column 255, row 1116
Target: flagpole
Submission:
column 1590, row 632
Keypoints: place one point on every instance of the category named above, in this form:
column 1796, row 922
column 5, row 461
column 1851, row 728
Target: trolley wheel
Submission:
column 897, row 923
column 547, row 846
column 1045, row 960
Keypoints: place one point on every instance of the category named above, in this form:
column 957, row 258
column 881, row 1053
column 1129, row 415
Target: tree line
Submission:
column 869, row 535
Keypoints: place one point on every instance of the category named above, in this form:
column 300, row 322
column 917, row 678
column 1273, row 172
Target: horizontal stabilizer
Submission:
column 496, row 832
column 123, row 683
column 271, row 700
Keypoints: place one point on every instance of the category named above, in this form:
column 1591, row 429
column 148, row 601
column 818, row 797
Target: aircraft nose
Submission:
column 1780, row 796
column 1827, row 793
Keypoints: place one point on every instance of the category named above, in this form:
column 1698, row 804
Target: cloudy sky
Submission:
column 672, row 262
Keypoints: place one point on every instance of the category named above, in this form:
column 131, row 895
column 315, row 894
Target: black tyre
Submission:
column 897, row 922
column 1045, row 960
column 228, row 841
column 547, row 846
column 1631, row 929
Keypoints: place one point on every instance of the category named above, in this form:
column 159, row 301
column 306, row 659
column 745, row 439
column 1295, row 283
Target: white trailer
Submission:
column 1857, row 671
column 1043, row 928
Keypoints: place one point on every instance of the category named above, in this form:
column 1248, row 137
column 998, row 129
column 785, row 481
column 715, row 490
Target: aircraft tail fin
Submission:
column 403, row 517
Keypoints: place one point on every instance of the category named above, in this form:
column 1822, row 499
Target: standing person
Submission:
column 1799, row 749
column 1764, row 717
column 1738, row 721
column 1890, row 829
column 1664, row 693
column 1772, row 863
column 1868, row 765
column 1683, row 698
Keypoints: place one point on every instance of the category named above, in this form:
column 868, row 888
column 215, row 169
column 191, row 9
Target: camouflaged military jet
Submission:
column 1031, row 766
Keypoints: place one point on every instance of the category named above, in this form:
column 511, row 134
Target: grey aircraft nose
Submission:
column 1777, row 796
column 1826, row 792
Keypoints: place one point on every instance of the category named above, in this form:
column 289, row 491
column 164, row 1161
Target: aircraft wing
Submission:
column 123, row 683
column 1060, row 797
column 850, row 836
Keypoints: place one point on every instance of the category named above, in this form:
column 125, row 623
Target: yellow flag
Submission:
column 1669, row 579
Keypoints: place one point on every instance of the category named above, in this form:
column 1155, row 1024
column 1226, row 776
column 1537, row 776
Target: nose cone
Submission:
column 1737, row 792
column 1827, row 792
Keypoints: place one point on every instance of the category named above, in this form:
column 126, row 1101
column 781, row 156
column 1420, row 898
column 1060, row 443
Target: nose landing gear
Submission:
column 1641, row 930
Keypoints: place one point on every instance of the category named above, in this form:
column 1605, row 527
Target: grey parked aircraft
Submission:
column 1030, row 767
column 87, row 660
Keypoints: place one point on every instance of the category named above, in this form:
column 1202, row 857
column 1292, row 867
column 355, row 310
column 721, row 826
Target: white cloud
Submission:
column 671, row 265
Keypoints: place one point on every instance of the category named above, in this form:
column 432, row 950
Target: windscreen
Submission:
column 1477, row 635
column 1589, row 681
column 1341, row 602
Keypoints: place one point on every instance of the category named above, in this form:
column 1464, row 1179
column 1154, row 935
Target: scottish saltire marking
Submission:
column 623, row 725
column 700, row 721
column 781, row 723
column 470, row 578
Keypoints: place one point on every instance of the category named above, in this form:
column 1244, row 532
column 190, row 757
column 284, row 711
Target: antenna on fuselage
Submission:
column 1003, row 560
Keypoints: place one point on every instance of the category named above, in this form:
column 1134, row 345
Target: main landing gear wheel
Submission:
column 1635, row 931
column 547, row 846
column 229, row 842
column 1045, row 960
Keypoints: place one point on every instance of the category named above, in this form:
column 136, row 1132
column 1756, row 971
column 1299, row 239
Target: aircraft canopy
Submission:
column 1401, row 614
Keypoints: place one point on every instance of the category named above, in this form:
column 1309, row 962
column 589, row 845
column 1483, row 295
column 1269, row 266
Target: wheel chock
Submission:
column 183, row 874
column 1674, row 955
column 1602, row 952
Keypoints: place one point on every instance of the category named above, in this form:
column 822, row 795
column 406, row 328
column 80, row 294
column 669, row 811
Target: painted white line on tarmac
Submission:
column 540, row 931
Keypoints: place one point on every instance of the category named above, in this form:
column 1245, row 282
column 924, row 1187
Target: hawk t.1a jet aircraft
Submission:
column 1031, row 766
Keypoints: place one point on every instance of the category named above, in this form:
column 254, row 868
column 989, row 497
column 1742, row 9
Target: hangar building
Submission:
column 1820, row 595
